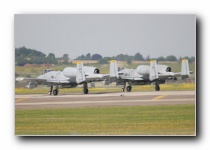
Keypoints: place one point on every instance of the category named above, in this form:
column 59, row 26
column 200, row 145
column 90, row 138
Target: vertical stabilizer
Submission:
column 113, row 72
column 185, row 67
column 153, row 70
column 80, row 76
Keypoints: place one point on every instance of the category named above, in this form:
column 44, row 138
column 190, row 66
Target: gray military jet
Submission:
column 70, row 77
column 145, row 74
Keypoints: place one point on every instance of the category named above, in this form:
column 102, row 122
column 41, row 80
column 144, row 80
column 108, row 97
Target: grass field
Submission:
column 130, row 120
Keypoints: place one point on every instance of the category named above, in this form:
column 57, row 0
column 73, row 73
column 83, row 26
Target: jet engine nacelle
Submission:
column 145, row 69
column 163, row 68
column 91, row 70
column 71, row 72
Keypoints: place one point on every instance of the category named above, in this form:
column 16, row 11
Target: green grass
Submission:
column 130, row 120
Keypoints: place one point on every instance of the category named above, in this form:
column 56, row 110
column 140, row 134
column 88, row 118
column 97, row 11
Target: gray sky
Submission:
column 108, row 35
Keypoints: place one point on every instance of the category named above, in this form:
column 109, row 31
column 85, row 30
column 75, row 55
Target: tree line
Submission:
column 25, row 55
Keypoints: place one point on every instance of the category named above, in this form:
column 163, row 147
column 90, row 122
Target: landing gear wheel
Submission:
column 50, row 91
column 157, row 88
column 85, row 91
column 55, row 92
column 129, row 88
column 123, row 89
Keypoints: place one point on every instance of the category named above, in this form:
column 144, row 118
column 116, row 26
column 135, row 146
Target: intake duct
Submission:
column 96, row 71
column 168, row 69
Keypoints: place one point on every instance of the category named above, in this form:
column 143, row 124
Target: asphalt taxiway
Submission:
column 42, row 101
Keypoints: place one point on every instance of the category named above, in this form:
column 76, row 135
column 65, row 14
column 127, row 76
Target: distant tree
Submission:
column 147, row 58
column 103, row 61
column 25, row 55
column 121, row 57
column 138, row 56
column 88, row 56
column 171, row 58
column 49, row 61
column 192, row 59
column 51, row 56
column 82, row 57
column 161, row 58
column 65, row 57
column 96, row 57
column 28, row 53
column 21, row 61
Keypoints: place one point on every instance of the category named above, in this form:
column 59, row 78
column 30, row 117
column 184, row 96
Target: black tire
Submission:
column 85, row 91
column 129, row 88
column 157, row 88
column 55, row 92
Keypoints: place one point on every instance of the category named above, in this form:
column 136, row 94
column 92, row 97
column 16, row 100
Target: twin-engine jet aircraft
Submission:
column 68, row 78
column 73, row 76
column 145, row 74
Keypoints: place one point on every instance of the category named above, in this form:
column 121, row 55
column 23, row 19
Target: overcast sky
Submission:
column 108, row 35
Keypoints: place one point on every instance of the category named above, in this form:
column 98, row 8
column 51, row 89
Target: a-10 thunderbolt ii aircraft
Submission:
column 68, row 78
column 145, row 74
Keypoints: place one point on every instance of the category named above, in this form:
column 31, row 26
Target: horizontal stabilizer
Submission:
column 19, row 79
column 133, row 78
column 96, row 77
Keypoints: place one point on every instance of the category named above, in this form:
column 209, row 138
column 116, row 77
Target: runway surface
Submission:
column 41, row 101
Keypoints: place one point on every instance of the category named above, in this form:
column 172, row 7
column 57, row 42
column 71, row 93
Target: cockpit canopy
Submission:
column 46, row 71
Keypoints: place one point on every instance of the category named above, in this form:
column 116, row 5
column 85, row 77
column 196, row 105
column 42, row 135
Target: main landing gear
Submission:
column 85, row 88
column 129, row 88
column 55, row 91
column 157, row 87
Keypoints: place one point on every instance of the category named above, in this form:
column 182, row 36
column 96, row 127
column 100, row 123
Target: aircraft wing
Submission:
column 96, row 77
column 169, row 74
column 37, row 80
column 132, row 78
column 41, row 81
